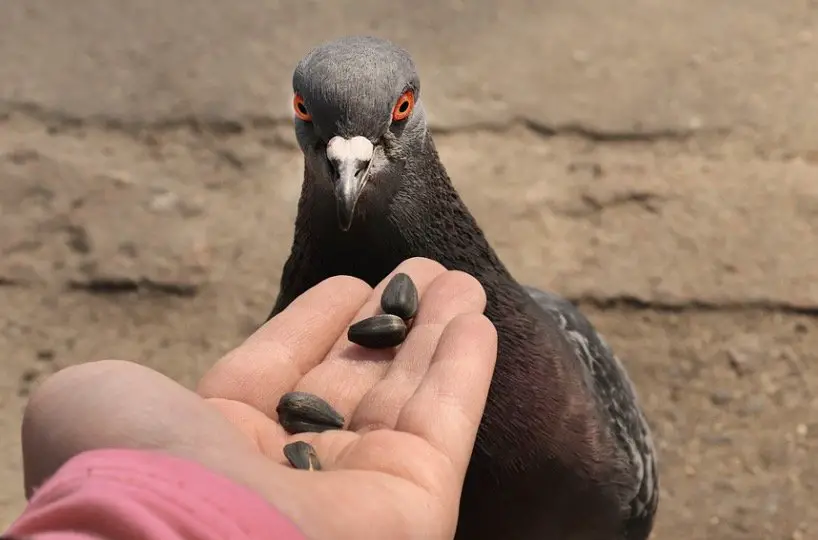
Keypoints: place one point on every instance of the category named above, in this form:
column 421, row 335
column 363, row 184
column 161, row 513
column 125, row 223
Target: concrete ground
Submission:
column 656, row 161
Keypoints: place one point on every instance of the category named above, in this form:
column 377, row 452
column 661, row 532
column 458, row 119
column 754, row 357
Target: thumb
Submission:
column 117, row 404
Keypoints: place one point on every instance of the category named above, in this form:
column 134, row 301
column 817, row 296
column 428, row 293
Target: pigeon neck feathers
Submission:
column 418, row 214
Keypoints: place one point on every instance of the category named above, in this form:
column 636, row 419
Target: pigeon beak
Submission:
column 349, row 160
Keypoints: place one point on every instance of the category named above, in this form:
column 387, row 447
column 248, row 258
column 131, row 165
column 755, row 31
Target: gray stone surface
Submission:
column 616, row 66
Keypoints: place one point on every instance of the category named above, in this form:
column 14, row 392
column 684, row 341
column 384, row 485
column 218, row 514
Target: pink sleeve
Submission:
column 130, row 494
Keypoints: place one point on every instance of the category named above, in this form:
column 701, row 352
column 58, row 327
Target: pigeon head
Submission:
column 358, row 117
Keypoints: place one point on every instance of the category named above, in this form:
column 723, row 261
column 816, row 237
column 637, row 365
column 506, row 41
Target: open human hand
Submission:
column 395, row 471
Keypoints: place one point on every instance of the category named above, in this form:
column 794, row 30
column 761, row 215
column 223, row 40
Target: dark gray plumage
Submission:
column 563, row 450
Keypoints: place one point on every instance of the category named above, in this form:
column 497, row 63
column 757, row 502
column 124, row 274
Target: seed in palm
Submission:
column 301, row 455
column 378, row 332
column 302, row 412
column 400, row 297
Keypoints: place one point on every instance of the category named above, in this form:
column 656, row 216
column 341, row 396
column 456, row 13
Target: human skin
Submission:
column 395, row 471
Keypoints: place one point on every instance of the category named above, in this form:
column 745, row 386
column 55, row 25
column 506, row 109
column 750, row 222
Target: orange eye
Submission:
column 403, row 107
column 301, row 109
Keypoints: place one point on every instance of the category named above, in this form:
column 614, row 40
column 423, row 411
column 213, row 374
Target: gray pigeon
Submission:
column 563, row 450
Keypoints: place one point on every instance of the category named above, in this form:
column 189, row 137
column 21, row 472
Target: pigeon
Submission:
column 563, row 450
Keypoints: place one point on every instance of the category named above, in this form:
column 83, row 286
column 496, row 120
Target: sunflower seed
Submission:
column 378, row 332
column 300, row 412
column 301, row 455
column 400, row 297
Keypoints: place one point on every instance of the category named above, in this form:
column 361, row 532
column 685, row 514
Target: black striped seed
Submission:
column 301, row 455
column 301, row 412
column 400, row 297
column 378, row 332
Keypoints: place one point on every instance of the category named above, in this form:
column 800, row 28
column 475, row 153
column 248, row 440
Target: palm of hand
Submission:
column 411, row 415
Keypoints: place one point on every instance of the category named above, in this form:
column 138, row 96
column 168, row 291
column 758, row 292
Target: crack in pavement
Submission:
column 602, row 136
column 623, row 303
column 632, row 303
column 593, row 206
column 220, row 126
column 117, row 286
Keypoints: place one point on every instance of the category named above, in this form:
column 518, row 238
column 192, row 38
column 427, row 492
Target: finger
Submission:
column 450, row 294
column 349, row 370
column 447, row 407
column 277, row 356
column 116, row 404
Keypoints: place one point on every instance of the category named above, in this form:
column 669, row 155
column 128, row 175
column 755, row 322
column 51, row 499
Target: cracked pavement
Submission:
column 656, row 162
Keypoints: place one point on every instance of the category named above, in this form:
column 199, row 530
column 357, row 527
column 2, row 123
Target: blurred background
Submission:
column 656, row 161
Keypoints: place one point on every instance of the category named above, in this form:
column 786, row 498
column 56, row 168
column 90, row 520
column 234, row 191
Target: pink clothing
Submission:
column 130, row 495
